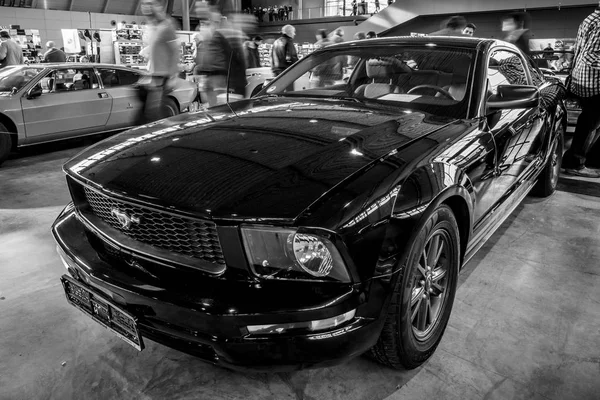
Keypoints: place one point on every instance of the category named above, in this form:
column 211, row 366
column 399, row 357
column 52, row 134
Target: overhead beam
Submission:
column 105, row 7
column 192, row 5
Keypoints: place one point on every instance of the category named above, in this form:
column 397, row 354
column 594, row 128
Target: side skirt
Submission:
column 500, row 213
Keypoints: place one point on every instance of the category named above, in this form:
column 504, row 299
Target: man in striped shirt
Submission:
column 585, row 83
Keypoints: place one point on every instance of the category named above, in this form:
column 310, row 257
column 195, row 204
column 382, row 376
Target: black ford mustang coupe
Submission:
column 326, row 217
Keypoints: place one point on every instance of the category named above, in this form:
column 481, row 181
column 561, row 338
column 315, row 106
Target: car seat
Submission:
column 82, row 84
column 458, row 86
column 382, row 72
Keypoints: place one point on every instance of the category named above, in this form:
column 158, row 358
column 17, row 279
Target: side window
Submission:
column 109, row 77
column 127, row 77
column 536, row 75
column 67, row 80
column 505, row 68
column 112, row 77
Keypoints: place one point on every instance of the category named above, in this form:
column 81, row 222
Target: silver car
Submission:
column 44, row 103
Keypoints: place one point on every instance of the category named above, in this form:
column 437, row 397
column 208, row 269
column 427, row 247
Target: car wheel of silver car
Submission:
column 171, row 107
column 424, row 293
column 5, row 143
column 548, row 180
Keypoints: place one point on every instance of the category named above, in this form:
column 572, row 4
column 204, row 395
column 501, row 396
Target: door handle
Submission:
column 103, row 95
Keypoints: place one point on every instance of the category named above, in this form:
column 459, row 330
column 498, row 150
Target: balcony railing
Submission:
column 336, row 8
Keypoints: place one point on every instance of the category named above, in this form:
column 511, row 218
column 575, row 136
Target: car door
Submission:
column 515, row 131
column 71, row 103
column 118, row 83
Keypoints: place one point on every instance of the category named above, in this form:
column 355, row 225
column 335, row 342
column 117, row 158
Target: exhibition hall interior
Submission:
column 299, row 199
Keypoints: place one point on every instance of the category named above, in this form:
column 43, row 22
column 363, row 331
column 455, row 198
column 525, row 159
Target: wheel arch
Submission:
column 418, row 196
column 12, row 128
column 174, row 98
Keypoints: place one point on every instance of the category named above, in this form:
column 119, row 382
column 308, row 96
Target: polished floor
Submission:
column 525, row 324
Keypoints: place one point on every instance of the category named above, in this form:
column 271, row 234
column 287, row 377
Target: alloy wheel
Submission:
column 429, row 285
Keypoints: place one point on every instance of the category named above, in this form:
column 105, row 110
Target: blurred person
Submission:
column 198, row 40
column 360, row 36
column 251, row 51
column 338, row 36
column 454, row 27
column 10, row 52
column 353, row 60
column 354, row 7
column 516, row 28
column 377, row 7
column 283, row 53
column 54, row 55
column 322, row 39
column 469, row 29
column 371, row 35
column 327, row 72
column 290, row 12
column 222, row 63
column 163, row 56
column 585, row 84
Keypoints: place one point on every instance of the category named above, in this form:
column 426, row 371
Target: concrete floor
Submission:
column 525, row 324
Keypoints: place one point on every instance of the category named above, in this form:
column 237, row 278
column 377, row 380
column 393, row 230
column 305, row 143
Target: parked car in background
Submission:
column 256, row 78
column 326, row 217
column 558, row 63
column 44, row 103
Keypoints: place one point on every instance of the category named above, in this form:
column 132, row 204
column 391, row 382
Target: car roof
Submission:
column 78, row 65
column 458, row 41
column 463, row 42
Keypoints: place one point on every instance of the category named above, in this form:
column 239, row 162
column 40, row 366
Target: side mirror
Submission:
column 35, row 92
column 513, row 97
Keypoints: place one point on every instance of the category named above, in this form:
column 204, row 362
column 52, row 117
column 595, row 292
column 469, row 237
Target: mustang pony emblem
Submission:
column 125, row 220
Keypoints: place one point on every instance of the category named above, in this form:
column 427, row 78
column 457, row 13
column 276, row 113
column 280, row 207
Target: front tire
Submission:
column 5, row 143
column 548, row 179
column 422, row 299
column 171, row 108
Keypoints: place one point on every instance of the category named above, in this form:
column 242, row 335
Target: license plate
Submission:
column 103, row 311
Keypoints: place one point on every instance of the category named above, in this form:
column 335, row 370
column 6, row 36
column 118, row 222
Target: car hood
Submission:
column 270, row 160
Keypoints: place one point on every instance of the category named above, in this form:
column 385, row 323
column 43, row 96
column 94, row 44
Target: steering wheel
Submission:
column 433, row 87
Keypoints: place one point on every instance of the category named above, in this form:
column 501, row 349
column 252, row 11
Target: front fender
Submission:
column 420, row 193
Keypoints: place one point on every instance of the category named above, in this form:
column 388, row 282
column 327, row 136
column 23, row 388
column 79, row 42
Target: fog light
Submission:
column 313, row 326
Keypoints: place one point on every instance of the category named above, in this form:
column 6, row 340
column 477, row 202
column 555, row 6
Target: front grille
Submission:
column 190, row 237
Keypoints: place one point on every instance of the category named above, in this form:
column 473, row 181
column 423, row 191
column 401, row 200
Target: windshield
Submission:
column 15, row 78
column 425, row 78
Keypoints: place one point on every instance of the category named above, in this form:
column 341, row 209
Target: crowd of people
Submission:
column 361, row 7
column 271, row 13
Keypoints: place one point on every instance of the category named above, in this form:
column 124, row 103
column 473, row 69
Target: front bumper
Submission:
column 214, row 335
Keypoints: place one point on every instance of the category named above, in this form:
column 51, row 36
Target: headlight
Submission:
column 286, row 254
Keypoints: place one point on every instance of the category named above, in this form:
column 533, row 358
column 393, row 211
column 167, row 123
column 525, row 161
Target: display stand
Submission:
column 29, row 40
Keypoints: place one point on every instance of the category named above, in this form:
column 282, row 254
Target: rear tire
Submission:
column 548, row 179
column 422, row 299
column 5, row 143
column 171, row 108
